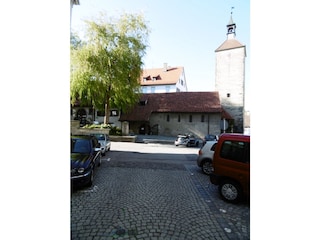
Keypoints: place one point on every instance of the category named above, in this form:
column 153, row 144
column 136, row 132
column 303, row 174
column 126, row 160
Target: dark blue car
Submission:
column 85, row 157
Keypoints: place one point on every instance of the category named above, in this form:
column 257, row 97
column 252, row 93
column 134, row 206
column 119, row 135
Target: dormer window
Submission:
column 155, row 78
column 143, row 102
column 146, row 78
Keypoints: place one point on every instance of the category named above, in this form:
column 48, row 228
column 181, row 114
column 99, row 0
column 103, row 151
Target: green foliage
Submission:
column 115, row 131
column 106, row 65
column 93, row 126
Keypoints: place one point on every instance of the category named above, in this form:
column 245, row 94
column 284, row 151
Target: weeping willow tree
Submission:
column 106, row 64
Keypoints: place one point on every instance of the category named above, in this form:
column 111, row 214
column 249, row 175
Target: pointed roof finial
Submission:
column 231, row 20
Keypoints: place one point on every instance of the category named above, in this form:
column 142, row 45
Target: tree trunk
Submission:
column 106, row 114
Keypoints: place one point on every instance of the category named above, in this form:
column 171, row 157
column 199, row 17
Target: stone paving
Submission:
column 154, row 193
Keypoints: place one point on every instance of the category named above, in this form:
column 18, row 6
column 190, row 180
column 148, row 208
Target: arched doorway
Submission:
column 82, row 116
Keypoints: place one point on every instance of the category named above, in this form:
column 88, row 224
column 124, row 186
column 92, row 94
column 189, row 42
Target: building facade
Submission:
column 230, row 77
column 170, row 114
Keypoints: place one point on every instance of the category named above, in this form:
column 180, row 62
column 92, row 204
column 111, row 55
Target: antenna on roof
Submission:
column 231, row 10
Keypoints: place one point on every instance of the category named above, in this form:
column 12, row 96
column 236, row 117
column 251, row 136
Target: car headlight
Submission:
column 80, row 170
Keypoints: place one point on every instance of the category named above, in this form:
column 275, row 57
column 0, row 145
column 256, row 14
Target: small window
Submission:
column 100, row 113
column 179, row 118
column 113, row 113
column 168, row 118
column 202, row 118
column 190, row 118
column 228, row 94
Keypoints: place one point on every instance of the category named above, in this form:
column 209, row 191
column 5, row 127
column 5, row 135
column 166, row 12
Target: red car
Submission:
column 231, row 167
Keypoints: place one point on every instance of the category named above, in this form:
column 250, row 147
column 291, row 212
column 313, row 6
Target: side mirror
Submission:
column 97, row 148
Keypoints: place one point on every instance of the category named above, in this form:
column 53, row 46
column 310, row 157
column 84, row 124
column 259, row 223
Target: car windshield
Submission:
column 80, row 146
column 99, row 136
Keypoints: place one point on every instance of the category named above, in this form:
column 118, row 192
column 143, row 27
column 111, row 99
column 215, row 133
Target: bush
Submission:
column 115, row 131
column 92, row 126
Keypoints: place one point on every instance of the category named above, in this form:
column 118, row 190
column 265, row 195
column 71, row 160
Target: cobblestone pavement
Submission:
column 150, row 191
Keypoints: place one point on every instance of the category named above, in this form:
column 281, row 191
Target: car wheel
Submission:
column 207, row 167
column 230, row 191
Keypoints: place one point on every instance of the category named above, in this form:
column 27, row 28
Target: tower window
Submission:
column 228, row 94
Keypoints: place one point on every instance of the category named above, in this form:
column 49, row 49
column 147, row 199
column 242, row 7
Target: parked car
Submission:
column 105, row 143
column 211, row 137
column 85, row 157
column 188, row 140
column 205, row 156
column 231, row 167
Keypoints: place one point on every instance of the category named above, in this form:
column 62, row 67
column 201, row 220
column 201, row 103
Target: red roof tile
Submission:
column 177, row 102
column 171, row 76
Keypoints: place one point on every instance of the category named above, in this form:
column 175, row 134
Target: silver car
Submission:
column 205, row 157
column 105, row 143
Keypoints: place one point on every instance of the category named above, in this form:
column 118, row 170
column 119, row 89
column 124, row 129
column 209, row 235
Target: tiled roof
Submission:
column 177, row 102
column 229, row 44
column 171, row 76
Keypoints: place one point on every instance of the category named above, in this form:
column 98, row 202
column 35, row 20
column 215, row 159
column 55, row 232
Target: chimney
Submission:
column 165, row 67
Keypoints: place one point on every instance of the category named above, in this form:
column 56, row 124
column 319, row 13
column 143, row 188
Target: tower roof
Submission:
column 229, row 44
column 230, row 21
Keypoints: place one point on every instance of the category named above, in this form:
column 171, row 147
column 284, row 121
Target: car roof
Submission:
column 235, row 136
column 82, row 137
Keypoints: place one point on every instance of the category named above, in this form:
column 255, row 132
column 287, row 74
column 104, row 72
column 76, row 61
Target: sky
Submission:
column 183, row 33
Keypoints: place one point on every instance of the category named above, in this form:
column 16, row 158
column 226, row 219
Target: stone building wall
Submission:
column 169, row 125
column 229, row 81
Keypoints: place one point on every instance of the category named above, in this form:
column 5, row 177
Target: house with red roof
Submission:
column 161, row 80
column 170, row 114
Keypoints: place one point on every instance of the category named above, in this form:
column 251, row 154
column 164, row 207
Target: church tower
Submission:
column 230, row 77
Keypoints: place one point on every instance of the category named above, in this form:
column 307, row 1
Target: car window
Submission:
column 99, row 136
column 95, row 142
column 80, row 146
column 213, row 147
column 235, row 150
